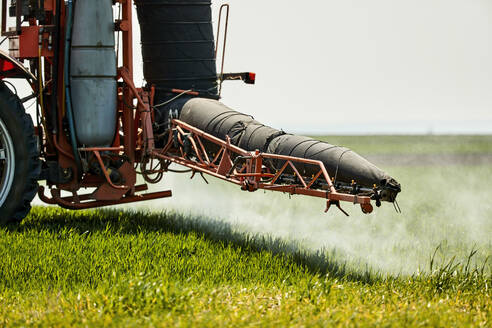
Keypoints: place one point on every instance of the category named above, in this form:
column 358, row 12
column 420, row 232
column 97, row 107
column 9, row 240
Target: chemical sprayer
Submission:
column 95, row 132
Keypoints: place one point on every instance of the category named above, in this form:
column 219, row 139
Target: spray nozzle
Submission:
column 337, row 204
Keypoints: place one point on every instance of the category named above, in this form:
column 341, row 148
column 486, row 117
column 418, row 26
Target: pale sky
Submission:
column 361, row 66
column 364, row 66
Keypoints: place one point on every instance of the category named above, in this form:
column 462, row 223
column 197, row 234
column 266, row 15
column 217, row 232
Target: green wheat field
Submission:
column 213, row 256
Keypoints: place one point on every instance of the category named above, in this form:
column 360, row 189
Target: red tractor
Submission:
column 96, row 131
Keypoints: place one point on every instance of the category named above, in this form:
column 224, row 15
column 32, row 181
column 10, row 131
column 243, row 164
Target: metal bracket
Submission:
column 337, row 204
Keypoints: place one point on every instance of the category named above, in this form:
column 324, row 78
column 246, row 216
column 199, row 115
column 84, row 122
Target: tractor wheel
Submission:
column 19, row 159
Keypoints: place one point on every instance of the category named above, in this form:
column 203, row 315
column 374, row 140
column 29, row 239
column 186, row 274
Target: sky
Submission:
column 358, row 66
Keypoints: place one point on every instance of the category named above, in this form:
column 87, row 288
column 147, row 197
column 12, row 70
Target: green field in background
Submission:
column 415, row 144
column 129, row 268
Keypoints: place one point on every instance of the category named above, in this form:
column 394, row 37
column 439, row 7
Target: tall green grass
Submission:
column 264, row 262
column 131, row 268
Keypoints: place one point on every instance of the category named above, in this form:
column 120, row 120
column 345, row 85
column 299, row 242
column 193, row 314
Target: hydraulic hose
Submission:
column 54, row 102
column 71, row 125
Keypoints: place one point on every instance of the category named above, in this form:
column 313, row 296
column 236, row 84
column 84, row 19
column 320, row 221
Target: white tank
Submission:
column 93, row 73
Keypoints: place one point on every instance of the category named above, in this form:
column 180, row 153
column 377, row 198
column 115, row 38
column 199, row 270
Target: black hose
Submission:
column 56, row 59
column 71, row 125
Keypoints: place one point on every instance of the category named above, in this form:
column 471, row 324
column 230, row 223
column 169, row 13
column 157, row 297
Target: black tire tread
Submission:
column 21, row 204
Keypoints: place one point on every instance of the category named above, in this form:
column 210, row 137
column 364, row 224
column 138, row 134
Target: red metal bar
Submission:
column 60, row 149
column 126, row 26
column 249, row 175
column 4, row 17
column 118, row 149
column 314, row 179
column 203, row 150
column 127, row 21
column 299, row 176
column 145, row 114
column 74, row 204
column 187, row 92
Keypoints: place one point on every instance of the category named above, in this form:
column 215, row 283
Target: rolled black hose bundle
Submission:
column 245, row 132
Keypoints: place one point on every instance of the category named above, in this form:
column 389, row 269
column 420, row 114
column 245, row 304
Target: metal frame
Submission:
column 227, row 8
column 77, row 202
column 247, row 169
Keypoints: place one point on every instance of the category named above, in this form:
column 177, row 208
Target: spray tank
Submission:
column 93, row 72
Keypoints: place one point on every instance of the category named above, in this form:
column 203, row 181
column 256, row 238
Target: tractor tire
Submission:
column 20, row 165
